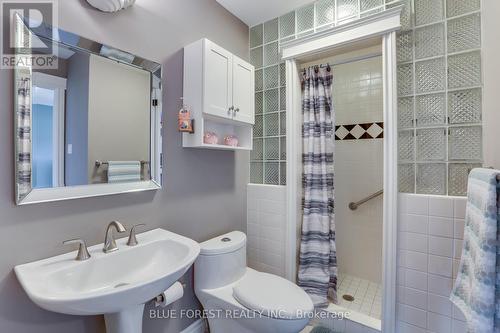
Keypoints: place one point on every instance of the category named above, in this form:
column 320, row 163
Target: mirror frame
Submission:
column 24, row 193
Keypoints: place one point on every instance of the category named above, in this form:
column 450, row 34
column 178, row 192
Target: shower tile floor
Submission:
column 367, row 295
column 365, row 310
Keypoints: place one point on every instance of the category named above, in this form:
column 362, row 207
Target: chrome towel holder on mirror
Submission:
column 98, row 163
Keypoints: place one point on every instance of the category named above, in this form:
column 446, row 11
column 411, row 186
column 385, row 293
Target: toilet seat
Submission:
column 272, row 296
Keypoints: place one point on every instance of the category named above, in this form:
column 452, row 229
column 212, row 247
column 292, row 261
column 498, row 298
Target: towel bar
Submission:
column 99, row 163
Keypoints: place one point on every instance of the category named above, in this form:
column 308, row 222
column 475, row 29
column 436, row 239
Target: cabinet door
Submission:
column 243, row 91
column 217, row 81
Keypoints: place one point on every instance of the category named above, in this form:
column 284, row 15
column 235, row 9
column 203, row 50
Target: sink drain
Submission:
column 348, row 298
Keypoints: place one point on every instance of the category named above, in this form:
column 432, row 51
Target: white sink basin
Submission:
column 117, row 283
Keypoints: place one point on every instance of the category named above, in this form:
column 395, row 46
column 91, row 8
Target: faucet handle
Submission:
column 83, row 253
column 132, row 240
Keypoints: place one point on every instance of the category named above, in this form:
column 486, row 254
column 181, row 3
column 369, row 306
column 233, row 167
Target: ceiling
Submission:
column 253, row 12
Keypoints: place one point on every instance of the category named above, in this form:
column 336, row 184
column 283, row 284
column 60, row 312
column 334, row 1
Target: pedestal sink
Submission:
column 116, row 284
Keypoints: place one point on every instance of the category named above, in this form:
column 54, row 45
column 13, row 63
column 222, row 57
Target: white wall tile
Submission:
column 266, row 220
column 441, row 246
column 439, row 285
column 438, row 323
column 441, row 206
column 439, row 304
column 413, row 241
column 459, row 228
column 271, row 219
column 414, row 260
column 252, row 216
column 460, row 205
column 272, row 206
column 403, row 203
column 418, row 204
column 272, row 233
column 440, row 266
column 414, row 297
column 401, row 276
column 272, row 247
column 252, row 230
column 272, row 260
column 437, row 223
column 458, row 326
column 252, row 204
column 416, row 279
column 439, row 226
column 403, row 327
column 412, row 315
column 416, row 223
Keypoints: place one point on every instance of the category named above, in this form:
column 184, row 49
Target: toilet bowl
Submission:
column 239, row 299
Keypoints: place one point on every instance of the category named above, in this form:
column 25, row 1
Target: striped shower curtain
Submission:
column 318, row 259
column 23, row 129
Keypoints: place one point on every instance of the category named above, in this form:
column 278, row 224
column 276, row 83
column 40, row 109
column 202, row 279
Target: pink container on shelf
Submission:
column 231, row 140
column 210, row 138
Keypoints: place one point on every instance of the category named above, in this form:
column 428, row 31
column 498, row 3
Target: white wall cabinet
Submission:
column 219, row 90
column 243, row 91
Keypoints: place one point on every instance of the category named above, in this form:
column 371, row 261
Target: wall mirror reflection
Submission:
column 91, row 120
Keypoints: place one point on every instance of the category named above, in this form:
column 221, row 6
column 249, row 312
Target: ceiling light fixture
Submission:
column 111, row 6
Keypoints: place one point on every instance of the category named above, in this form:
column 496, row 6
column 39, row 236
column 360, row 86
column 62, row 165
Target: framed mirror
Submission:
column 88, row 123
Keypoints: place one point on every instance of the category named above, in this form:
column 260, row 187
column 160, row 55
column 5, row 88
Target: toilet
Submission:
column 239, row 299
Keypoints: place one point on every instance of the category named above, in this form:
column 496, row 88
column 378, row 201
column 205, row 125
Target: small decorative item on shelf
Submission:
column 210, row 138
column 185, row 123
column 231, row 140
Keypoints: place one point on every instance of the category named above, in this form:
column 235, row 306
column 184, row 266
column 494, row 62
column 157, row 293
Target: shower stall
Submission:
column 357, row 136
column 341, row 126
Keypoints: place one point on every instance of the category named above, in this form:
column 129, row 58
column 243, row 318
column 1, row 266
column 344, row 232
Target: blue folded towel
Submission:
column 477, row 287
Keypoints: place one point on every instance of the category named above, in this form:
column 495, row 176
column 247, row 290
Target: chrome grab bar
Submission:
column 355, row 205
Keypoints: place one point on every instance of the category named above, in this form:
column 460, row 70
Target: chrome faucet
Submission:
column 109, row 241
column 83, row 253
column 132, row 239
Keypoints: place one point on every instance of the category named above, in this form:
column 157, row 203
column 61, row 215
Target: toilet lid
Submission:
column 272, row 296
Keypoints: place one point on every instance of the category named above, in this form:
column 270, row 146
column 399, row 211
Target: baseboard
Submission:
column 196, row 327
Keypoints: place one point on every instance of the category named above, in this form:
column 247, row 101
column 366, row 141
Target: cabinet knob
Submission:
column 231, row 108
column 237, row 110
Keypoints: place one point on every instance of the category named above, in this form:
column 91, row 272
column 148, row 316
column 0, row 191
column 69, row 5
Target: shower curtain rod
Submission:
column 350, row 60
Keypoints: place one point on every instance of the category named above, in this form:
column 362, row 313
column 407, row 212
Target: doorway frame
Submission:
column 382, row 27
column 58, row 85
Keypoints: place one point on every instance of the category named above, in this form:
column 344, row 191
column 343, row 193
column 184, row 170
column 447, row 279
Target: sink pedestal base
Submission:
column 126, row 321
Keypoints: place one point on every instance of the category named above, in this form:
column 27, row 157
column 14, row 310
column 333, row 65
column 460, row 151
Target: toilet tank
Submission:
column 222, row 261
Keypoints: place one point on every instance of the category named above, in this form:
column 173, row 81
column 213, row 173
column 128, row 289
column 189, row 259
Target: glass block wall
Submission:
column 268, row 159
column 440, row 96
column 439, row 88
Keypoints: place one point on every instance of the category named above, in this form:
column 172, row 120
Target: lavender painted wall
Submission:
column 204, row 191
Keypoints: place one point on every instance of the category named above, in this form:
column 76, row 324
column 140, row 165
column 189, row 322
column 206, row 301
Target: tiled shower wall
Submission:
column 359, row 160
column 440, row 89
